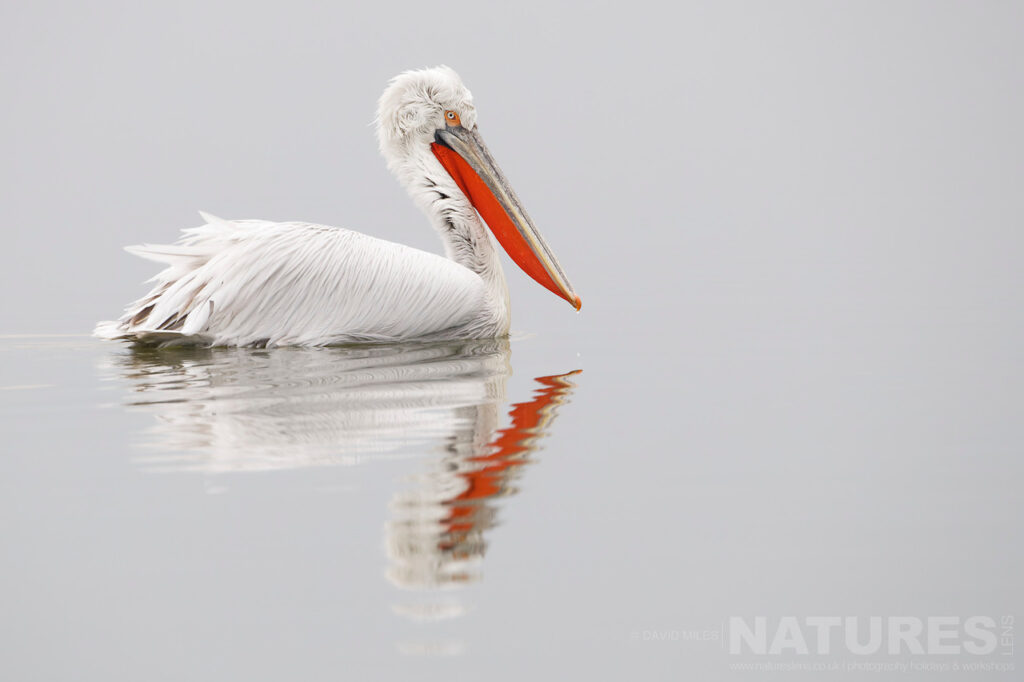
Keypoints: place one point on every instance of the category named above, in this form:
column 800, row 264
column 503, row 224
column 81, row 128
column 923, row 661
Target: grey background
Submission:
column 796, row 229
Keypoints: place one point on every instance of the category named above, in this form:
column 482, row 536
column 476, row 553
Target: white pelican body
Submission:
column 254, row 282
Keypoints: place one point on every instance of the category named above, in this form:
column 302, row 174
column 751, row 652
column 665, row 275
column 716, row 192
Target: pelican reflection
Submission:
column 224, row 410
column 228, row 410
column 436, row 537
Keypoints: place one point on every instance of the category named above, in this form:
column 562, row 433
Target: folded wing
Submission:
column 253, row 282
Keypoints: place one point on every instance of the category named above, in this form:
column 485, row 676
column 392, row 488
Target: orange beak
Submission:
column 463, row 154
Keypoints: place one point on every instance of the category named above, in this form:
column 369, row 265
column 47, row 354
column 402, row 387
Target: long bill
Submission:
column 464, row 155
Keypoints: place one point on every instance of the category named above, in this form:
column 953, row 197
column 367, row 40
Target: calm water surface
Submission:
column 512, row 508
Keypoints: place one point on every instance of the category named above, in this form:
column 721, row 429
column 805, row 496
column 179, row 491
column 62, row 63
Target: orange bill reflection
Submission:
column 511, row 449
column 437, row 536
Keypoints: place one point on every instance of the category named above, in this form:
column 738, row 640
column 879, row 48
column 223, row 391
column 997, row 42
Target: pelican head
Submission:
column 427, row 129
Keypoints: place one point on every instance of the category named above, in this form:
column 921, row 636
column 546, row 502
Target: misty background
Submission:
column 800, row 155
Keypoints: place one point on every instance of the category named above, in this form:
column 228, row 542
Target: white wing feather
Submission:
column 254, row 282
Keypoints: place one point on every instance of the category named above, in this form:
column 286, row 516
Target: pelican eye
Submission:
column 453, row 118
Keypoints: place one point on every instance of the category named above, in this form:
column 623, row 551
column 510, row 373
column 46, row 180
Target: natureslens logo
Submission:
column 870, row 636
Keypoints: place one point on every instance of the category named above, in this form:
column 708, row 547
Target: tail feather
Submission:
column 214, row 220
column 169, row 254
column 174, row 312
column 108, row 329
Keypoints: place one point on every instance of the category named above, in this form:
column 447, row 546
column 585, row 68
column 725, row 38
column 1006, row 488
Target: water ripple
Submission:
column 220, row 410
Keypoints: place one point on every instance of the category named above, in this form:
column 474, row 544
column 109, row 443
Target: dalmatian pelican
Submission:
column 260, row 283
